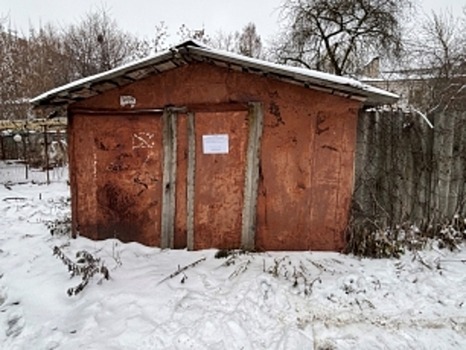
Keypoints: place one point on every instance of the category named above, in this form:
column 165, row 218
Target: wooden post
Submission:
column 443, row 152
column 2, row 146
column 190, row 180
column 17, row 149
column 169, row 179
column 46, row 148
column 26, row 153
column 251, row 183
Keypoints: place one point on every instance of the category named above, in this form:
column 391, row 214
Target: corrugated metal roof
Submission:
column 192, row 51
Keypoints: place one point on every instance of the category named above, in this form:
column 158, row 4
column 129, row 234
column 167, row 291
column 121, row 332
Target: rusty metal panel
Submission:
column 119, row 177
column 306, row 173
column 331, row 180
column 219, row 181
column 325, row 180
column 284, row 192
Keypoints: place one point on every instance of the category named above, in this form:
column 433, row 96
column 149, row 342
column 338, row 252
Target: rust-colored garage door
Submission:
column 219, row 141
column 118, row 177
column 171, row 180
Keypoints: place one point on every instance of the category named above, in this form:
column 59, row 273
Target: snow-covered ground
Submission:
column 279, row 300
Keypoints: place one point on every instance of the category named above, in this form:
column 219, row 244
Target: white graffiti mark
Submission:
column 146, row 160
column 143, row 140
column 94, row 170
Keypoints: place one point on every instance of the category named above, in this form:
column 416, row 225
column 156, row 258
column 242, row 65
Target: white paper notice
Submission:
column 215, row 144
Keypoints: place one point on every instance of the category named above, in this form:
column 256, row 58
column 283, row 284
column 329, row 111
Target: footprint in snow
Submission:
column 14, row 325
column 14, row 321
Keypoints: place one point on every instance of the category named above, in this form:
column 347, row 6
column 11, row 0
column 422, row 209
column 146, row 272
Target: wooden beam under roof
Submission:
column 33, row 124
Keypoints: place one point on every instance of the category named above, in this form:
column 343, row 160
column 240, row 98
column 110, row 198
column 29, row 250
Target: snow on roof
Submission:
column 178, row 56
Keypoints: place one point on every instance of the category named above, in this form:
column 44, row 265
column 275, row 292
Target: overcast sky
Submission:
column 140, row 16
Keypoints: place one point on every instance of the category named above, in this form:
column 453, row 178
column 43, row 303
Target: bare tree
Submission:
column 441, row 45
column 97, row 44
column 186, row 33
column 13, row 52
column 438, row 61
column 49, row 57
column 29, row 65
column 48, row 64
column 249, row 42
column 144, row 47
column 335, row 35
column 225, row 41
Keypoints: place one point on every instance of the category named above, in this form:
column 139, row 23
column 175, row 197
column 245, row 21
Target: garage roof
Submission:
column 192, row 51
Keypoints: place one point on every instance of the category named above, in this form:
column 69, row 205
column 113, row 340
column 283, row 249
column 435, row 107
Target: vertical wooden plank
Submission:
column 2, row 148
column 461, row 160
column 46, row 154
column 443, row 150
column 169, row 179
column 456, row 174
column 251, row 181
column 191, row 180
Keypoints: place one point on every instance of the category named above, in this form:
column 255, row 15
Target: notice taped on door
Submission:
column 215, row 144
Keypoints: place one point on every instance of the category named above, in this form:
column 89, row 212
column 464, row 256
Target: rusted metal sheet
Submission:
column 118, row 176
column 285, row 189
column 190, row 180
column 326, row 173
column 219, row 181
column 180, row 239
column 305, row 205
column 332, row 164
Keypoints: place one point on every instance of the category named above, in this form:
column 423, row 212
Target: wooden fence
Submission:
column 408, row 171
column 37, row 145
column 29, row 139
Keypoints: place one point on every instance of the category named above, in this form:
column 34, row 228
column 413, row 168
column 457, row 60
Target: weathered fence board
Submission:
column 408, row 172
